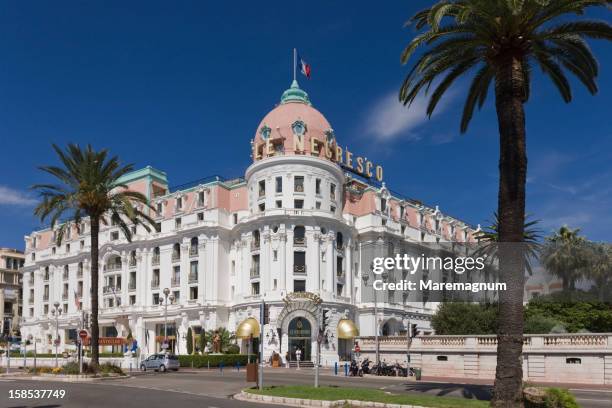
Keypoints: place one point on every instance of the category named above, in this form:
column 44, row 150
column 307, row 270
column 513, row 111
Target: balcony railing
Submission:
column 193, row 278
column 340, row 247
column 112, row 267
column 154, row 283
column 155, row 260
column 132, row 285
column 132, row 263
column 111, row 289
column 254, row 273
column 299, row 268
column 193, row 251
column 299, row 241
column 175, row 281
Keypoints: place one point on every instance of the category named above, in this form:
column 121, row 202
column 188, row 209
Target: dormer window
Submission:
column 179, row 203
column 299, row 128
column 264, row 132
column 201, row 198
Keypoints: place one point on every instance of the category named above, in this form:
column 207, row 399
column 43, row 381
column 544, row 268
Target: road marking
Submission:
column 586, row 390
column 592, row 400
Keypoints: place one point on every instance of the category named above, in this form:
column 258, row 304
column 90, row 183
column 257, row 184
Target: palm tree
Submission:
column 89, row 186
column 600, row 268
column 489, row 237
column 565, row 255
column 502, row 40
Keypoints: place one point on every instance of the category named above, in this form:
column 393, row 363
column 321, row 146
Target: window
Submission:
column 262, row 188
column 262, row 207
column 442, row 358
column 156, row 298
column 299, row 235
column 200, row 216
column 46, row 310
column 332, row 209
column 179, row 203
column 160, row 208
column 275, row 255
column 299, row 285
column 176, row 252
column 132, row 300
column 298, row 184
column 255, row 288
column 318, row 205
column 176, row 275
column 53, row 250
column 177, row 296
column 279, row 204
column 133, row 230
column 193, row 293
column 193, row 272
column 177, row 223
column 318, row 186
column 235, row 218
column 279, row 185
column 573, row 360
column 298, row 204
column 332, row 191
column 383, row 205
column 299, row 262
column 403, row 229
column 201, row 199
column 155, row 279
column 275, row 285
column 114, row 235
column 82, row 244
column 67, row 248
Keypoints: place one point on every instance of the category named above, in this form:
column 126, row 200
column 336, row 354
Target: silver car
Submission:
column 160, row 362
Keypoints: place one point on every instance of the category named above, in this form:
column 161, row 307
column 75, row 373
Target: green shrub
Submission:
column 232, row 349
column 70, row 368
column 560, row 398
column 109, row 368
column 202, row 361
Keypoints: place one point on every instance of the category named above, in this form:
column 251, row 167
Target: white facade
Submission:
column 298, row 222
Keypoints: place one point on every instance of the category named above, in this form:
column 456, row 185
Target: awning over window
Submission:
column 247, row 328
column 347, row 329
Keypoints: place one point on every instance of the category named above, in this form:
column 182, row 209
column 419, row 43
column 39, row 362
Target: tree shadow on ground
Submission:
column 470, row 391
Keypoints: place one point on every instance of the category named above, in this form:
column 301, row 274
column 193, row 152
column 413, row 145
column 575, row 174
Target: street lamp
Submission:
column 366, row 277
column 56, row 312
column 166, row 299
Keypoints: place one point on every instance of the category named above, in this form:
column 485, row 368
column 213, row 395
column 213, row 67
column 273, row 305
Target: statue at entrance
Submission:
column 216, row 341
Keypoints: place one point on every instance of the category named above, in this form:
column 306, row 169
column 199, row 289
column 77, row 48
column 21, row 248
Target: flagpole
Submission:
column 294, row 62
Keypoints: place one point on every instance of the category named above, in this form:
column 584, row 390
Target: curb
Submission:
column 56, row 378
column 299, row 402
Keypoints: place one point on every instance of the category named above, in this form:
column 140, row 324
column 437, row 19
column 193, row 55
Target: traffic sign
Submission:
column 83, row 334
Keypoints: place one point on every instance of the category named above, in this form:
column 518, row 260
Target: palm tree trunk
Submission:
column 510, row 97
column 95, row 330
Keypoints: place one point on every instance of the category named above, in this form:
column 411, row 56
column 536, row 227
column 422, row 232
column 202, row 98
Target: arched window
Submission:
column 113, row 264
column 256, row 239
column 193, row 247
column 176, row 252
column 132, row 258
column 339, row 241
column 299, row 235
column 65, row 275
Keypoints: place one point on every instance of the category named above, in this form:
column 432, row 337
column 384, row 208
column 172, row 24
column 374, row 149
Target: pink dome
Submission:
column 281, row 124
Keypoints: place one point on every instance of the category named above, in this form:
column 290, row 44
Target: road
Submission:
column 203, row 388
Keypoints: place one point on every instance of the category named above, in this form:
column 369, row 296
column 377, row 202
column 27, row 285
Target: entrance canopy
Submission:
column 347, row 329
column 248, row 327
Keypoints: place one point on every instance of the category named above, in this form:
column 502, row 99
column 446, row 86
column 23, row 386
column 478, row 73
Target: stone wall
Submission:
column 561, row 358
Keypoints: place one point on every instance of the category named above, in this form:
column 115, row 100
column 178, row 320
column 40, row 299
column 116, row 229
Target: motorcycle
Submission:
column 355, row 370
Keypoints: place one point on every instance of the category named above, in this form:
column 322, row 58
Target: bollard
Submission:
column 336, row 368
column 345, row 369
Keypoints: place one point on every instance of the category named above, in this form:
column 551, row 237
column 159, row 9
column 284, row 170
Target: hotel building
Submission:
column 11, row 262
column 298, row 232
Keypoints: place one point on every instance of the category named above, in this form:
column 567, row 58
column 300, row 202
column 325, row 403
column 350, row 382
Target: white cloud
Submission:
column 9, row 196
column 390, row 119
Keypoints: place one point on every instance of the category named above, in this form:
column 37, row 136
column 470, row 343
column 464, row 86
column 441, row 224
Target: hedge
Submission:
column 201, row 361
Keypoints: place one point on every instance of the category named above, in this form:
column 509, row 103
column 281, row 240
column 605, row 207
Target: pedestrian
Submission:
column 287, row 356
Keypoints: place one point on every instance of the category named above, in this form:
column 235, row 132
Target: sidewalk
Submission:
column 479, row 381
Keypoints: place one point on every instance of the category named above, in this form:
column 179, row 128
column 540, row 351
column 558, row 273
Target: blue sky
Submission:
column 183, row 85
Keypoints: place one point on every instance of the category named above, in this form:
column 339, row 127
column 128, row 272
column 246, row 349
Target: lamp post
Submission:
column 366, row 278
column 166, row 299
column 56, row 312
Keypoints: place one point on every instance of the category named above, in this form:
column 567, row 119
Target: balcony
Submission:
column 176, row 256
column 254, row 273
column 155, row 260
column 299, row 269
column 299, row 241
column 132, row 285
column 193, row 278
column 132, row 263
column 155, row 283
column 193, row 251
column 176, row 281
column 340, row 247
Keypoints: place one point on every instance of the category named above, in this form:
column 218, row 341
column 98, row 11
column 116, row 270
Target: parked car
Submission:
column 160, row 362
